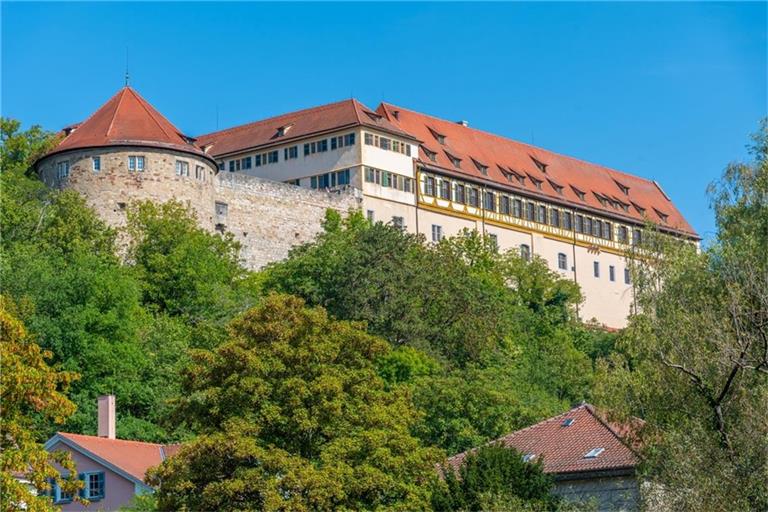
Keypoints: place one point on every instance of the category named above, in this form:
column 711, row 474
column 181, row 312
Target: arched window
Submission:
column 525, row 252
column 562, row 261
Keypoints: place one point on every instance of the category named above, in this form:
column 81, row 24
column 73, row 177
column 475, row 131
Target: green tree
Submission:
column 490, row 476
column 696, row 364
column 29, row 389
column 293, row 416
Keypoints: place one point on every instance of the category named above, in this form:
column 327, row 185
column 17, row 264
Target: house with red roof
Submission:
column 590, row 458
column 112, row 470
column 269, row 183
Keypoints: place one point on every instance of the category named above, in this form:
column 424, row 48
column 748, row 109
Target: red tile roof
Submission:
column 303, row 123
column 127, row 119
column 563, row 448
column 504, row 157
column 133, row 457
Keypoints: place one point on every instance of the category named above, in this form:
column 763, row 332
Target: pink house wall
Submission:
column 118, row 491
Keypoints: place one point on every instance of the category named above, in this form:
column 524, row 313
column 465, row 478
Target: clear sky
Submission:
column 668, row 91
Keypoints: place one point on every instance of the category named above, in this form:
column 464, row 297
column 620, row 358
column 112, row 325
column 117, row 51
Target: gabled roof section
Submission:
column 465, row 143
column 304, row 123
column 132, row 459
column 127, row 119
column 564, row 444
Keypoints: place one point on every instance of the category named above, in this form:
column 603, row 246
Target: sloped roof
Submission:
column 505, row 157
column 132, row 457
column 303, row 123
column 563, row 448
column 127, row 119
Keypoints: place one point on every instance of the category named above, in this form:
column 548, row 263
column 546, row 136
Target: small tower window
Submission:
column 96, row 163
column 562, row 261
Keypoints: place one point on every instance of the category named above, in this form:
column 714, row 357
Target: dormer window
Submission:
column 430, row 154
column 639, row 208
column 600, row 198
column 454, row 160
column 536, row 182
column 439, row 137
column 624, row 189
column 541, row 165
column 558, row 188
column 593, row 453
column 283, row 130
column 480, row 167
column 579, row 193
column 374, row 117
column 663, row 216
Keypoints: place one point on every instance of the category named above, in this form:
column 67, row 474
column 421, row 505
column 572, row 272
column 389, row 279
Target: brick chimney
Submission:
column 107, row 416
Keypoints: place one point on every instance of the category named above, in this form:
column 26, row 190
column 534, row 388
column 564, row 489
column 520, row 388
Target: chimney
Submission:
column 463, row 123
column 107, row 416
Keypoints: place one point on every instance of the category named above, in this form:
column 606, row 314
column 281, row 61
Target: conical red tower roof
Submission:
column 127, row 119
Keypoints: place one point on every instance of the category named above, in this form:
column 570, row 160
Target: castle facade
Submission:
column 270, row 182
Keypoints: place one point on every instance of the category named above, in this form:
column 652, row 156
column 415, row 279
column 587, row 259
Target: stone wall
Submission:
column 268, row 217
column 610, row 493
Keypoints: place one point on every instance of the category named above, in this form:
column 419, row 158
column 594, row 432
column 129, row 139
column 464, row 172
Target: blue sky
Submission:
column 668, row 91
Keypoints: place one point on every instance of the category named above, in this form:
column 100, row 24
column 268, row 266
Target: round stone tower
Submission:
column 127, row 151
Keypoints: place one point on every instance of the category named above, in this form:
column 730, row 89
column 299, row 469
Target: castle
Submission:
column 270, row 182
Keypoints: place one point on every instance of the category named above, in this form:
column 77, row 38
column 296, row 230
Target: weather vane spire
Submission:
column 127, row 76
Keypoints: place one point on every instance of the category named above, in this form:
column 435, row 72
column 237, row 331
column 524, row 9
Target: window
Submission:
column 429, row 186
column 349, row 139
column 398, row 222
column 370, row 175
column 322, row 146
column 221, row 209
column 504, row 205
column 627, row 276
column 596, row 227
column 637, row 237
column 517, row 208
column 385, row 143
column 431, row 154
column 554, row 217
column 596, row 268
column 370, row 216
column 622, row 234
column 525, row 252
column 232, row 165
column 335, row 142
column 489, row 201
column 199, row 172
column 579, row 226
column 587, row 226
column 528, row 457
column 591, row 454
column 62, row 169
column 313, row 182
column 437, row 233
column 562, row 261
column 455, row 161
column 530, row 210
column 474, row 199
column 445, row 190
column 567, row 422
column 385, row 179
column 291, row 153
column 611, row 273
column 407, row 184
column 369, row 139
column 567, row 220
column 494, row 240
column 342, row 177
column 306, row 149
column 96, row 163
column 246, row 163
column 460, row 195
column 541, row 216
column 182, row 168
column 607, row 231
column 272, row 155
column 94, row 486
column 222, row 166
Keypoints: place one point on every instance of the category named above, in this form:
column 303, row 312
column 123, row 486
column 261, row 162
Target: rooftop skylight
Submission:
column 528, row 457
column 593, row 453
column 567, row 422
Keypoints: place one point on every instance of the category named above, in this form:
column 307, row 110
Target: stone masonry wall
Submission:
column 616, row 493
column 268, row 217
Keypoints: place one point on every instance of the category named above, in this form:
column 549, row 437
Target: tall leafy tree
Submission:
column 696, row 365
column 293, row 415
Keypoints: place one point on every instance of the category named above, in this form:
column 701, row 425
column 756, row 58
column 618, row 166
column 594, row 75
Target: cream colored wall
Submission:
column 384, row 210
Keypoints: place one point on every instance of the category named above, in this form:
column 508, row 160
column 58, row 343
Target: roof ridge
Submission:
column 303, row 111
column 145, row 105
column 544, row 421
column 355, row 104
column 509, row 139
column 114, row 113
column 66, row 434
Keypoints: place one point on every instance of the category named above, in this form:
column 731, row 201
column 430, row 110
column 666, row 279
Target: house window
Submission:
column 291, row 153
column 567, row 220
column 272, row 155
column 489, row 201
column 313, row 182
column 622, row 234
column 494, row 240
column 407, row 184
column 398, row 222
column 221, row 209
column 530, row 210
column 525, row 252
column 591, row 454
column 517, row 208
column 437, row 233
column 455, row 161
column 579, row 227
column 370, row 175
column 322, row 146
column 306, row 149
column 429, row 186
column 370, row 216
column 246, row 163
column 627, row 276
column 335, row 142
column 62, row 170
column 385, row 143
column 504, row 205
column 199, row 172
column 349, row 139
column 431, row 154
column 562, row 261
column 94, row 486
column 554, row 217
column 587, row 226
column 474, row 199
column 445, row 190
column 56, row 493
column 182, row 168
column 637, row 237
column 596, row 268
column 596, row 227
column 369, row 139
column 385, row 179
column 607, row 231
column 612, row 273
column 541, row 218
column 96, row 163
column 222, row 166
column 460, row 196
column 232, row 165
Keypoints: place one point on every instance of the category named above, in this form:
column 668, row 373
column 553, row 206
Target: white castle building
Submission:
column 270, row 181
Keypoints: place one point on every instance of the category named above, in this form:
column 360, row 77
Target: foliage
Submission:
column 292, row 415
column 696, row 359
column 491, row 476
column 29, row 388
